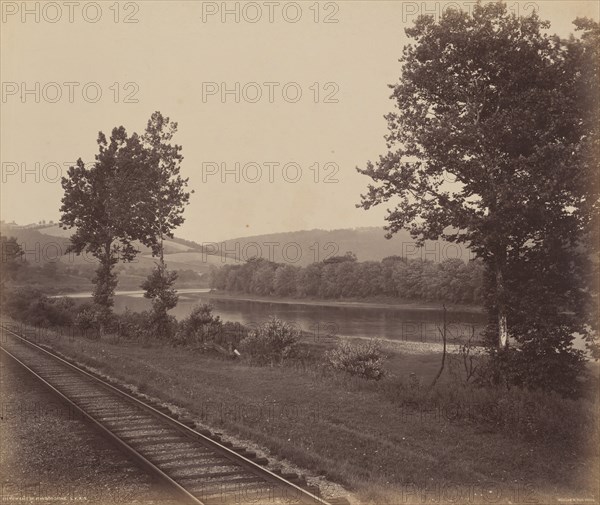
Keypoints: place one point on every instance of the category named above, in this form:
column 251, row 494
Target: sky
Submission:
column 276, row 102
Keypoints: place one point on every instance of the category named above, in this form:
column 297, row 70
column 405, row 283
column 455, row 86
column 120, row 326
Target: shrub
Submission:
column 532, row 366
column 272, row 342
column 234, row 333
column 32, row 307
column 87, row 318
column 363, row 360
column 200, row 326
column 134, row 325
column 161, row 326
column 159, row 289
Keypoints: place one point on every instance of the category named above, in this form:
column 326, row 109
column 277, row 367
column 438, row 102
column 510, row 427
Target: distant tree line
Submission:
column 452, row 280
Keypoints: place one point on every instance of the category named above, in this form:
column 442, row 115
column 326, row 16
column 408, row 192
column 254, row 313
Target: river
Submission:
column 417, row 325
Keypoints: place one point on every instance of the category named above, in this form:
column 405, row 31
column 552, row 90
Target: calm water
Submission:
column 323, row 321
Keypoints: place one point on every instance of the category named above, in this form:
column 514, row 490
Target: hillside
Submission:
column 49, row 267
column 49, row 243
column 369, row 244
column 45, row 243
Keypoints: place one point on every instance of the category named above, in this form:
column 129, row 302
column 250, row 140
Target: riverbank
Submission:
column 392, row 304
column 379, row 303
column 134, row 292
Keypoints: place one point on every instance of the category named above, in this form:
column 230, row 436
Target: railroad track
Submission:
column 196, row 464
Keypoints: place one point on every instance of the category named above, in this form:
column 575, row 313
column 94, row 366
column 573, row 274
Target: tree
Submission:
column 309, row 280
column 263, row 278
column 389, row 284
column 162, row 209
column 486, row 148
column 101, row 203
column 284, row 283
column 11, row 255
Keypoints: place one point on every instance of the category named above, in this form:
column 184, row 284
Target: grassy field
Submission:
column 391, row 441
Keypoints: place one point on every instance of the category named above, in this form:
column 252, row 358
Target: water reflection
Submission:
column 395, row 324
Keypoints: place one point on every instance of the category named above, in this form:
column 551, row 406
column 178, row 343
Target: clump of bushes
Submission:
column 199, row 327
column 87, row 320
column 134, row 325
column 87, row 317
column 363, row 360
column 272, row 342
column 31, row 306
column 234, row 333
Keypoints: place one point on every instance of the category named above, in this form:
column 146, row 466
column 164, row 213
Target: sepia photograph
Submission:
column 302, row 252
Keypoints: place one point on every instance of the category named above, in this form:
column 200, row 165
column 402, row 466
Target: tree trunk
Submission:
column 162, row 251
column 443, row 332
column 500, row 294
column 106, row 286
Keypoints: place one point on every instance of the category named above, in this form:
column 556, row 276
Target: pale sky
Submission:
column 170, row 56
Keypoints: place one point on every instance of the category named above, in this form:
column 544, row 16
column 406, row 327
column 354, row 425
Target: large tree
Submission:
column 487, row 147
column 133, row 192
column 100, row 202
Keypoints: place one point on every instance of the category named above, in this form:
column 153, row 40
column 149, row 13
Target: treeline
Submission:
column 452, row 280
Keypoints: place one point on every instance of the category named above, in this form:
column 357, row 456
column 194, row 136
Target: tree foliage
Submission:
column 166, row 198
column 101, row 203
column 162, row 209
column 450, row 281
column 491, row 145
column 132, row 192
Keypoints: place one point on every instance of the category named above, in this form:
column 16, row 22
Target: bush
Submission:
column 272, row 342
column 234, row 333
column 32, row 307
column 200, row 326
column 134, row 325
column 161, row 326
column 533, row 367
column 363, row 360
column 87, row 318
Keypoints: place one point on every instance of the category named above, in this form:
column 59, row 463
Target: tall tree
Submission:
column 163, row 207
column 484, row 147
column 100, row 202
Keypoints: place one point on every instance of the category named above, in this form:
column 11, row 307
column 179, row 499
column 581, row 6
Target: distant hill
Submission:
column 43, row 243
column 369, row 244
column 48, row 244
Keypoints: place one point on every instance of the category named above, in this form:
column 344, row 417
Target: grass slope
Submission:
column 365, row 435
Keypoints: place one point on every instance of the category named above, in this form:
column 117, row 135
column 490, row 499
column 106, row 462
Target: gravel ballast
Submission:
column 50, row 454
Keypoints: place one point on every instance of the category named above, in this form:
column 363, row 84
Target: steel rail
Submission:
column 187, row 431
